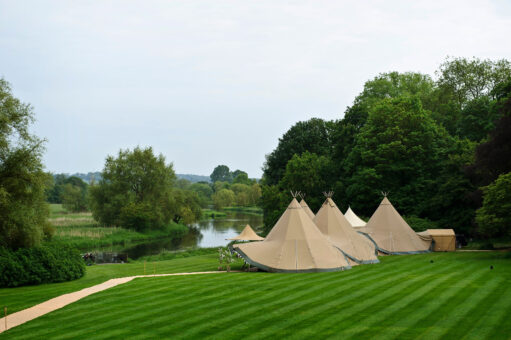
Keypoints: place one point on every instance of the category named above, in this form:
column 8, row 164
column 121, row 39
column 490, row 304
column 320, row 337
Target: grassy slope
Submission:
column 456, row 296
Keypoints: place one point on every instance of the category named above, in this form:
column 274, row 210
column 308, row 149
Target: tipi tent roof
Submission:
column 294, row 244
column 336, row 227
column 248, row 234
column 391, row 233
column 354, row 220
column 306, row 208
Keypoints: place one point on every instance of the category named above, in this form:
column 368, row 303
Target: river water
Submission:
column 204, row 234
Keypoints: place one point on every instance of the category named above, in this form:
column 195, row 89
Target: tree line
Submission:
column 438, row 147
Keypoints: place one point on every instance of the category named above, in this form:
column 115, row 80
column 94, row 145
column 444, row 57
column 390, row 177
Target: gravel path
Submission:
column 18, row 318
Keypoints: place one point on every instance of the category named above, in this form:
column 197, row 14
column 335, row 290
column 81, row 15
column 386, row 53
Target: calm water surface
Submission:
column 204, row 234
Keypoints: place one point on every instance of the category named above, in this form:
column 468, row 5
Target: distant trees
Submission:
column 221, row 173
column 223, row 198
column 23, row 207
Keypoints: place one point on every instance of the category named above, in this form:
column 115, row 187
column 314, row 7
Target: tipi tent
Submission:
column 391, row 234
column 248, row 234
column 294, row 244
column 355, row 221
column 339, row 231
column 306, row 208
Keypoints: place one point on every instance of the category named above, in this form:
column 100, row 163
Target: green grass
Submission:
column 455, row 296
column 246, row 210
column 209, row 213
column 23, row 297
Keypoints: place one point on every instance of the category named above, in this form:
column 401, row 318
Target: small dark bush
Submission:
column 45, row 264
column 420, row 224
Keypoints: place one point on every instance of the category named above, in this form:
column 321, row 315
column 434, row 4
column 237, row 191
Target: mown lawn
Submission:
column 455, row 296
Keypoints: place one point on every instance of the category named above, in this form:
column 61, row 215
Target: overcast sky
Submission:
column 218, row 82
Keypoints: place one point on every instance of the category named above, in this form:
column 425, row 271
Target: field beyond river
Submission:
column 83, row 232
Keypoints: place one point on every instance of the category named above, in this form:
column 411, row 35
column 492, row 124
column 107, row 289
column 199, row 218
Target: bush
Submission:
column 420, row 224
column 45, row 264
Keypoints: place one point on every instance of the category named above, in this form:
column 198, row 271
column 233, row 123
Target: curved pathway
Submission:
column 18, row 318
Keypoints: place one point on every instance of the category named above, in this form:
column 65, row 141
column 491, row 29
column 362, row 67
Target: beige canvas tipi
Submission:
column 294, row 244
column 248, row 234
column 306, row 208
column 336, row 227
column 391, row 234
column 355, row 221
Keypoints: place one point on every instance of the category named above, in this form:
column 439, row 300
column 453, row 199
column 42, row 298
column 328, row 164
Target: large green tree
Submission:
column 135, row 191
column 312, row 136
column 397, row 151
column 23, row 207
column 74, row 194
column 494, row 217
column 221, row 174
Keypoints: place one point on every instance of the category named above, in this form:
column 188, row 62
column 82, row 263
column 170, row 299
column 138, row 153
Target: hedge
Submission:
column 44, row 264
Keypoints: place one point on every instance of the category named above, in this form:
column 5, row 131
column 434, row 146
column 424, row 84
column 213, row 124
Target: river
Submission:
column 204, row 234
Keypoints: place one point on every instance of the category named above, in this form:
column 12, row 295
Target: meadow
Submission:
column 430, row 296
column 82, row 231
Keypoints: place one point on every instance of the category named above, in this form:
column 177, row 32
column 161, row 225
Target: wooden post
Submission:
column 144, row 267
column 5, row 312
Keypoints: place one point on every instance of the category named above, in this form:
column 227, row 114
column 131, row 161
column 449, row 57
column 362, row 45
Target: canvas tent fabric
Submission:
column 248, row 234
column 332, row 223
column 294, row 244
column 355, row 221
column 306, row 208
column 391, row 234
column 443, row 239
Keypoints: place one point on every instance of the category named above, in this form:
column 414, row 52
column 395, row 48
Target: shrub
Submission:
column 420, row 224
column 45, row 264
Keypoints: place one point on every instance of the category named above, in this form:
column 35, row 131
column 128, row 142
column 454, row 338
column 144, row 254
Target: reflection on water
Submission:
column 204, row 234
column 215, row 232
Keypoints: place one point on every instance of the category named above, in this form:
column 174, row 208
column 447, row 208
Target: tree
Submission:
column 221, row 173
column 223, row 198
column 494, row 217
column 311, row 135
column 135, row 191
column 397, row 151
column 74, row 194
column 74, row 198
column 54, row 191
column 477, row 119
column 204, row 192
column 185, row 206
column 274, row 202
column 384, row 86
column 309, row 174
column 23, row 207
column 468, row 79
column 241, row 178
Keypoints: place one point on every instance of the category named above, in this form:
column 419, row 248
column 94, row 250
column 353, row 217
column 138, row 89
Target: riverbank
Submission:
column 83, row 232
column 247, row 210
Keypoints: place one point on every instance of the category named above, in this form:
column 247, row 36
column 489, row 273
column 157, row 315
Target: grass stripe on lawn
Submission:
column 386, row 312
column 337, row 284
column 439, row 306
column 492, row 315
column 354, row 314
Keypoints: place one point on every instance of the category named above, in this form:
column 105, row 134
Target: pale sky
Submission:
column 218, row 82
